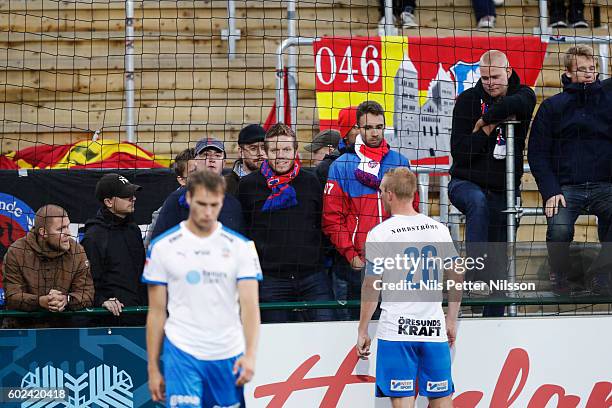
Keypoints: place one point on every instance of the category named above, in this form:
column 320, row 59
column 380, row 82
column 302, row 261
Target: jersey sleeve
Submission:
column 154, row 270
column 248, row 262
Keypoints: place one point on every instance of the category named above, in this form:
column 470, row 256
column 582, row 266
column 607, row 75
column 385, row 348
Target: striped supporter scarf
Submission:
column 282, row 195
column 367, row 172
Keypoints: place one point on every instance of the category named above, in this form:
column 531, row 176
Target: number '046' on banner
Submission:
column 349, row 65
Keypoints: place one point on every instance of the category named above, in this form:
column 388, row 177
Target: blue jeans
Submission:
column 485, row 223
column 483, row 8
column 294, row 288
column 589, row 198
column 347, row 286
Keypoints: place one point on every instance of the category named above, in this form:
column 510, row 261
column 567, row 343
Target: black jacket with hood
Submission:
column 472, row 153
column 571, row 137
column 116, row 255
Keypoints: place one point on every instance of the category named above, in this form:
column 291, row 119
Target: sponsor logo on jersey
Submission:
column 437, row 386
column 174, row 238
column 225, row 252
column 193, row 277
column 419, row 327
column 183, row 400
column 402, row 385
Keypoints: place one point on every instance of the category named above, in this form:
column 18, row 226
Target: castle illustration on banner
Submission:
column 423, row 130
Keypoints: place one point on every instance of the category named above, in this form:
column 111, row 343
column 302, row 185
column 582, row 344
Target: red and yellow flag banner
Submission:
column 416, row 80
column 100, row 154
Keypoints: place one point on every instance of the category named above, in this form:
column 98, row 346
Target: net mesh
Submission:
column 65, row 75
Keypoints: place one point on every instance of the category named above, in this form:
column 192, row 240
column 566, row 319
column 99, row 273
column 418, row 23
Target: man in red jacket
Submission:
column 351, row 200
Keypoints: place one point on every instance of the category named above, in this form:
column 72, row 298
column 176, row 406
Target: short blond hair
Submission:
column 401, row 182
column 494, row 58
column 581, row 50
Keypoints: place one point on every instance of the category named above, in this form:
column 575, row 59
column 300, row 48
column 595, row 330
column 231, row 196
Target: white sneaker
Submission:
column 498, row 3
column 408, row 20
column 486, row 22
column 384, row 30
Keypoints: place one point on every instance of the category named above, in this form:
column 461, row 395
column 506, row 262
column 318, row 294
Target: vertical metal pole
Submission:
column 389, row 27
column 511, row 209
column 129, row 71
column 292, row 63
column 280, row 85
column 543, row 16
column 423, row 185
column 604, row 56
column 444, row 210
column 231, row 29
column 454, row 219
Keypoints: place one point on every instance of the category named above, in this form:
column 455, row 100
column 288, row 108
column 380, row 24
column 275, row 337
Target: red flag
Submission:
column 271, row 119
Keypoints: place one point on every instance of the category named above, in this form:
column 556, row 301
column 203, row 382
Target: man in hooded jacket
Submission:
column 114, row 247
column 570, row 154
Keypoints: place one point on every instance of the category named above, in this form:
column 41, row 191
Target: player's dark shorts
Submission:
column 404, row 366
column 194, row 383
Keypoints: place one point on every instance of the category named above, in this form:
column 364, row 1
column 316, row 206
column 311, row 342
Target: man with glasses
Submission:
column 114, row 247
column 252, row 154
column 570, row 154
column 210, row 155
column 351, row 200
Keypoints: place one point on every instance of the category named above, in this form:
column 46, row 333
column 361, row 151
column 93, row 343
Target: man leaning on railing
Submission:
column 46, row 270
column 478, row 146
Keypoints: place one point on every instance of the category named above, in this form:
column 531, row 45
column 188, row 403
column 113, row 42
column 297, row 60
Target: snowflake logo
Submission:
column 102, row 386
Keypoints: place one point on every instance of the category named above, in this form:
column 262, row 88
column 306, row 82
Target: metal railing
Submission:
column 333, row 304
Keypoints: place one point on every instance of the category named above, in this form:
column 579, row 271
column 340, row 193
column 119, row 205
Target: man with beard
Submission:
column 282, row 210
column 351, row 203
column 252, row 154
column 114, row 247
column 46, row 270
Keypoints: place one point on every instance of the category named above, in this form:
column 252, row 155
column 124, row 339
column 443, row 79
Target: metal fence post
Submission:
column 129, row 72
column 231, row 34
column 292, row 63
column 511, row 209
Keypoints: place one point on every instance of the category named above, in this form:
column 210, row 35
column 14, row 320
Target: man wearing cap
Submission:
column 323, row 144
column 347, row 127
column 252, row 154
column 114, row 247
column 210, row 156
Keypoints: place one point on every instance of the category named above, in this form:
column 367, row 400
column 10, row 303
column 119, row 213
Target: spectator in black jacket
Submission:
column 282, row 207
column 570, row 154
column 184, row 164
column 252, row 154
column 337, row 264
column 210, row 155
column 478, row 148
column 114, row 247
